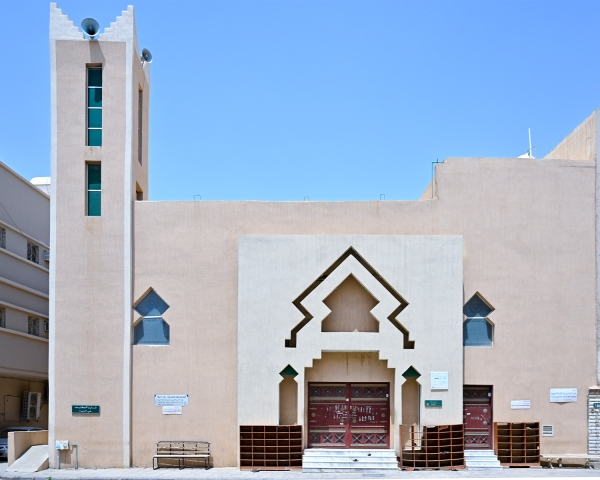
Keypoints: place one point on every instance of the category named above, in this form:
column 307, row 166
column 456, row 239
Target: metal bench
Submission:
column 181, row 450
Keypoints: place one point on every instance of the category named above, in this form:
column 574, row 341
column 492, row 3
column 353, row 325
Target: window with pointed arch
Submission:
column 478, row 330
column 151, row 329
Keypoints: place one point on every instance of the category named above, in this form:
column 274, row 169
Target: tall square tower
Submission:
column 99, row 153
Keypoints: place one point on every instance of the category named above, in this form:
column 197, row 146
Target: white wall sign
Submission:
column 439, row 380
column 170, row 400
column 173, row 410
column 518, row 404
column 563, row 395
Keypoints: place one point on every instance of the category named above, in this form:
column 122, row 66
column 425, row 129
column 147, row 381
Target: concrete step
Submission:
column 335, row 460
column 350, row 465
column 478, row 453
column 349, row 460
column 475, row 469
column 480, row 460
column 483, row 463
column 318, row 452
column 380, row 471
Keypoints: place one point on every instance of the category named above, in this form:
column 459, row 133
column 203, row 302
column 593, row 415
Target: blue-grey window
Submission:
column 478, row 331
column 94, row 189
column 152, row 328
column 94, row 106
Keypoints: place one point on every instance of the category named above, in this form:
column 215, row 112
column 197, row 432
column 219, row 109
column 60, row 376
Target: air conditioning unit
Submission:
column 46, row 255
column 547, row 430
column 32, row 402
column 46, row 326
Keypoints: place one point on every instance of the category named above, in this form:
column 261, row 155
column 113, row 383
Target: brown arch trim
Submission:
column 291, row 342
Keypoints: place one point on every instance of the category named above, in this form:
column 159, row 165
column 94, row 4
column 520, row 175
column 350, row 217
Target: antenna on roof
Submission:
column 90, row 27
column 529, row 153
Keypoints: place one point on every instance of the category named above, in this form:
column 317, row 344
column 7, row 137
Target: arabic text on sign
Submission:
column 170, row 400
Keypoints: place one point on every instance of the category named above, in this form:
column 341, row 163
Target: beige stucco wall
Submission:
column 90, row 284
column 528, row 248
column 527, row 229
column 581, row 143
column 275, row 269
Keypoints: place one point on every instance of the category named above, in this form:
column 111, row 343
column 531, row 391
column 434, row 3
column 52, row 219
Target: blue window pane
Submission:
column 94, row 176
column 477, row 332
column 95, row 77
column 94, row 204
column 151, row 305
column 94, row 97
column 95, row 118
column 151, row 331
column 476, row 307
column 95, row 138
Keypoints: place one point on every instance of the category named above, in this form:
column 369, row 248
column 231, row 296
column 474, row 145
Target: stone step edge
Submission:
column 385, row 464
column 349, row 456
column 345, row 457
column 349, row 470
column 474, row 469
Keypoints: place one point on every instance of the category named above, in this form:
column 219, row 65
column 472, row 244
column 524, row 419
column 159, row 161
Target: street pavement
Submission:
column 234, row 473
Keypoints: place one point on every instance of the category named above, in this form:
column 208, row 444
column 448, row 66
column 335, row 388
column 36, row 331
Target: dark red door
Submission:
column 478, row 419
column 349, row 415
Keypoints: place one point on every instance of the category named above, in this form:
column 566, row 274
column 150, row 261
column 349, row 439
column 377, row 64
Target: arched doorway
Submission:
column 349, row 401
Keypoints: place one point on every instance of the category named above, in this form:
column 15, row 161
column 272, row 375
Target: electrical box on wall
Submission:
column 62, row 445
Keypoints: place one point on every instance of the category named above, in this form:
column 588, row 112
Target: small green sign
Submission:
column 596, row 405
column 433, row 403
column 85, row 409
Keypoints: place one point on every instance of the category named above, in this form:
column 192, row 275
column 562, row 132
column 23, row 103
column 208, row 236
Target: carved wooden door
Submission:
column 478, row 419
column 348, row 415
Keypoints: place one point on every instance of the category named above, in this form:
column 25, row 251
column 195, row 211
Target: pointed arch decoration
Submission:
column 407, row 344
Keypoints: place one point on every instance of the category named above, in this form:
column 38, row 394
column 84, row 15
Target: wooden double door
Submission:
column 478, row 418
column 348, row 415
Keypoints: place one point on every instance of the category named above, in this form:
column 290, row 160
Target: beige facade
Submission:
column 520, row 233
column 24, row 239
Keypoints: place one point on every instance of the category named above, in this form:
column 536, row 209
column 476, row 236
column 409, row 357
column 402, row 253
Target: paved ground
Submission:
column 233, row 473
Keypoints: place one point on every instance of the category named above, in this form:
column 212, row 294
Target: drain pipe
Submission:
column 76, row 455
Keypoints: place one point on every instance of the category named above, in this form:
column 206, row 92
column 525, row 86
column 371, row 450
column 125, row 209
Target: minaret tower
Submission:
column 100, row 89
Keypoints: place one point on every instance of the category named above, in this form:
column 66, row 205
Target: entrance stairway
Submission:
column 481, row 460
column 336, row 460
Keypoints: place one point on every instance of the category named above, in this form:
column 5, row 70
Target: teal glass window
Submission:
column 478, row 331
column 94, row 106
column 151, row 329
column 94, row 189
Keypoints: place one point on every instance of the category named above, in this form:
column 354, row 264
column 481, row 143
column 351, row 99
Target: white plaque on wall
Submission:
column 173, row 410
column 170, row 400
column 518, row 404
column 563, row 395
column 439, row 380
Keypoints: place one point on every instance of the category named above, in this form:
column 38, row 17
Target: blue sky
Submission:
column 334, row 100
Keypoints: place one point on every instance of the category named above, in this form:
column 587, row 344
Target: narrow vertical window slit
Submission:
column 94, row 189
column 94, row 106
